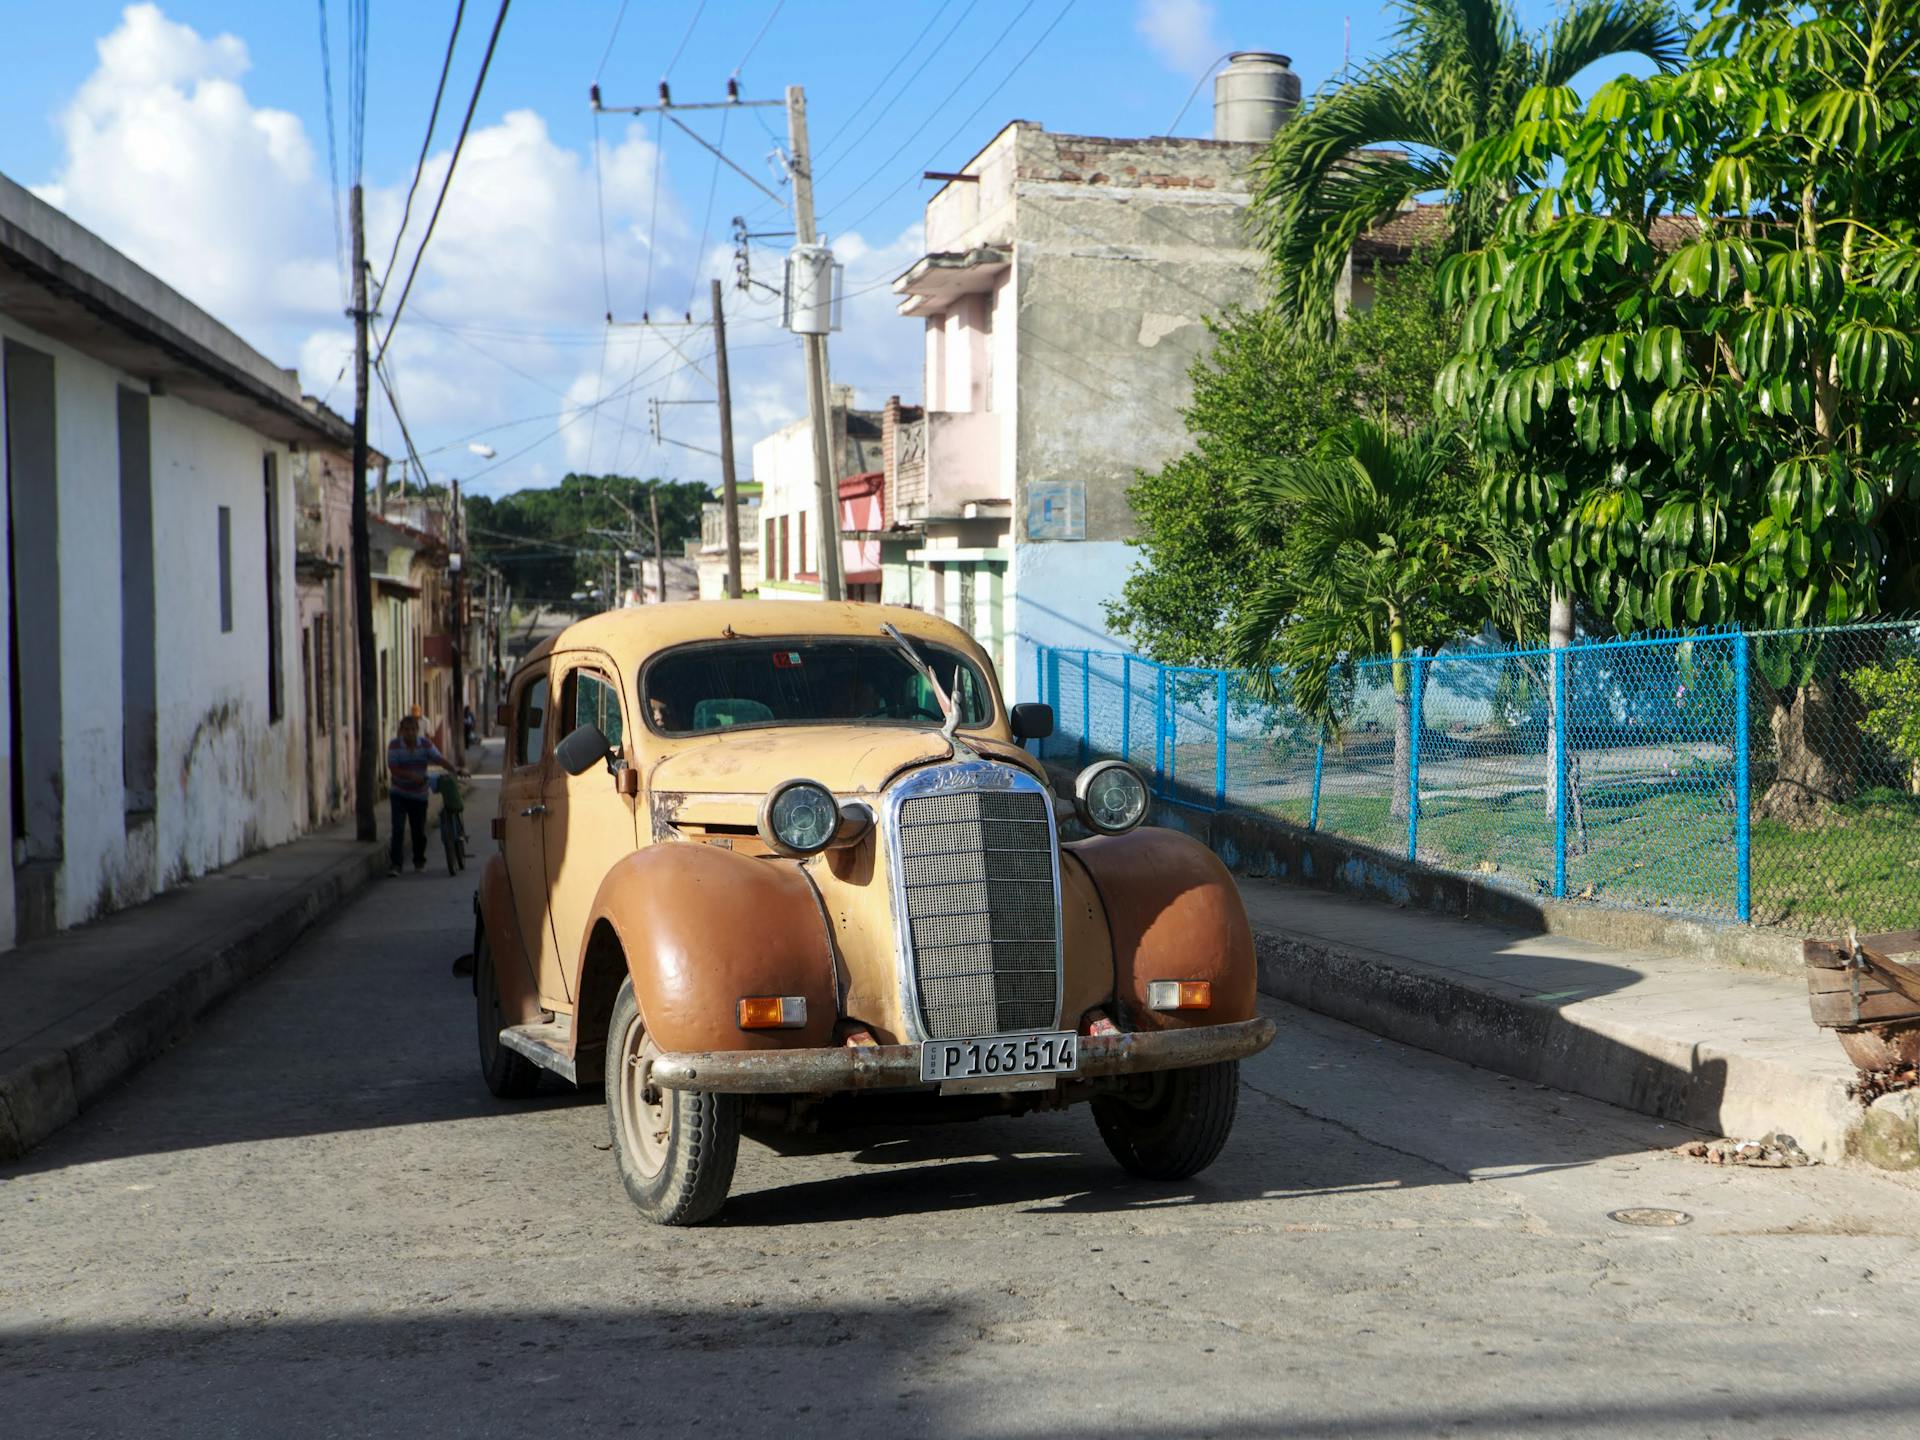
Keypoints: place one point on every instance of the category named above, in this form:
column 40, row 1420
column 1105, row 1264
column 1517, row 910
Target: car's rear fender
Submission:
column 513, row 972
column 700, row 927
column 1174, row 914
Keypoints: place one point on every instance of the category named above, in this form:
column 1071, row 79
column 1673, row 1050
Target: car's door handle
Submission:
column 533, row 810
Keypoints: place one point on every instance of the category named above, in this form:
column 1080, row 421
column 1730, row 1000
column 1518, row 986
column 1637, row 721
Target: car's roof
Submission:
column 638, row 632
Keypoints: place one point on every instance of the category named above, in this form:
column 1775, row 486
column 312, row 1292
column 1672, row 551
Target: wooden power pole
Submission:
column 362, row 573
column 729, row 493
column 659, row 555
column 819, row 398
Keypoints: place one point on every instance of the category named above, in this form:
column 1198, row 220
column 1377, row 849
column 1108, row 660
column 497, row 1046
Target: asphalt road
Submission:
column 312, row 1219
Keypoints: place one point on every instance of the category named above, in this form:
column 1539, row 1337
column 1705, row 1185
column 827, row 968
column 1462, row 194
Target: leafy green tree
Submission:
column 1361, row 149
column 1892, row 696
column 554, row 540
column 1382, row 548
column 1694, row 341
column 1260, row 395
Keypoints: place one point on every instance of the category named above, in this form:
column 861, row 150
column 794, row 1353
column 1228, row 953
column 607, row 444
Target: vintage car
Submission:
column 788, row 862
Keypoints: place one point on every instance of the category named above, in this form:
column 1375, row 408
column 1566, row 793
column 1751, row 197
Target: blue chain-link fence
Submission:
column 1771, row 777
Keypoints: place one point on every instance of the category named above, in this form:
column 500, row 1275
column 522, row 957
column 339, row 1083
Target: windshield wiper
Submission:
column 947, row 706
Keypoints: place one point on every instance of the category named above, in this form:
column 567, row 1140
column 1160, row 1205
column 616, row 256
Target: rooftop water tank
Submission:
column 1253, row 96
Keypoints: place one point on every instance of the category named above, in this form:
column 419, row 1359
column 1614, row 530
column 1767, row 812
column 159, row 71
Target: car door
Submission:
column 590, row 824
column 524, row 784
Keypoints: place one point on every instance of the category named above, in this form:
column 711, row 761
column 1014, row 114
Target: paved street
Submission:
column 311, row 1218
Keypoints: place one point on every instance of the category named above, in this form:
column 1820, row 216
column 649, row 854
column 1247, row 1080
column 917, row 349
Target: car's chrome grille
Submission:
column 976, row 878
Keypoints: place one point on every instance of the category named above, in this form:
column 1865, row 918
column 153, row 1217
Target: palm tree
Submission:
column 1384, row 550
column 1459, row 74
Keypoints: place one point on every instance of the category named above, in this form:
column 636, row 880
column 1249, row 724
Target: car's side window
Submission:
column 530, row 724
column 596, row 701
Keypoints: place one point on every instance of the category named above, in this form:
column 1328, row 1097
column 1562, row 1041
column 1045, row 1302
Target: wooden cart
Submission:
column 1859, row 989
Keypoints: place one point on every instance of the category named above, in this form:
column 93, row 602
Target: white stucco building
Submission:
column 1065, row 292
column 789, row 518
column 157, row 724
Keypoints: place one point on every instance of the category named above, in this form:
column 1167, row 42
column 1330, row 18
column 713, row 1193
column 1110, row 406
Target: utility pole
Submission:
column 363, row 768
column 818, row 396
column 659, row 558
column 730, row 496
column 457, row 722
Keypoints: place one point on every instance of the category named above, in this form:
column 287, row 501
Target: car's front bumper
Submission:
column 879, row 1067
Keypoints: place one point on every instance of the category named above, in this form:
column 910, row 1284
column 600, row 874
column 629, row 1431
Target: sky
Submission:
column 193, row 135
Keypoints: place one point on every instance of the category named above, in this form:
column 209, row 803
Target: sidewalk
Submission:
column 86, row 1007
column 1726, row 1050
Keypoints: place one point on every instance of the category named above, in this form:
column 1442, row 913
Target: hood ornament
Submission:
column 948, row 706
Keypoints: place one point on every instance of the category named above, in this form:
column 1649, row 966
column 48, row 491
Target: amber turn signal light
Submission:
column 1179, row 994
column 773, row 1012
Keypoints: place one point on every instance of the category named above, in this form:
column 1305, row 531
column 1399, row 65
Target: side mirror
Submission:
column 583, row 748
column 1032, row 722
column 503, row 715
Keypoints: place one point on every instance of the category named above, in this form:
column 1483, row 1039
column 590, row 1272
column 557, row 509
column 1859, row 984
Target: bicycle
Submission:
column 453, row 829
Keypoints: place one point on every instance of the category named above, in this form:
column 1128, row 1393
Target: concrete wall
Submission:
column 1122, row 250
column 229, row 780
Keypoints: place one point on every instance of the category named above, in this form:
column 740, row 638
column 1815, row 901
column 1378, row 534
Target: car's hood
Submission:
column 847, row 759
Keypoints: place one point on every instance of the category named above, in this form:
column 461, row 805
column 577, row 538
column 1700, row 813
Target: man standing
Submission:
column 408, row 758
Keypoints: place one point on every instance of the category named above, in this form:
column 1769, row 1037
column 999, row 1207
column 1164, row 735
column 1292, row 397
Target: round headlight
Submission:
column 1110, row 797
column 799, row 817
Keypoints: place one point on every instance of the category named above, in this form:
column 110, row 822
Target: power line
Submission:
column 333, row 156
column 607, row 54
column 706, row 222
column 931, row 54
column 765, row 26
column 960, row 129
column 940, row 108
column 446, row 183
column 426, row 143
column 681, row 48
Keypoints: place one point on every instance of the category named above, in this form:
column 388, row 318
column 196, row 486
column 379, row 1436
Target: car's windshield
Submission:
column 806, row 681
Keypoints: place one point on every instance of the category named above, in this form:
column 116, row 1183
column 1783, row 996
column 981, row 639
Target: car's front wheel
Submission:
column 1175, row 1126
column 675, row 1148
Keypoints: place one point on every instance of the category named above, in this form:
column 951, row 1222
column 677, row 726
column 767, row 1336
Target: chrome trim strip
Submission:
column 962, row 777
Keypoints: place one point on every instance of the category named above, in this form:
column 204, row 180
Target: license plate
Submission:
column 1055, row 1053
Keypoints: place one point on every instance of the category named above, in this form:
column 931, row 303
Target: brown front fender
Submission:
column 701, row 927
column 513, row 972
column 1175, row 914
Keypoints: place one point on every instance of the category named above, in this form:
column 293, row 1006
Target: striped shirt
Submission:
column 407, row 766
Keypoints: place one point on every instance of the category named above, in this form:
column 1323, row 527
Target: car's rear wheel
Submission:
column 509, row 1075
column 1174, row 1127
column 675, row 1148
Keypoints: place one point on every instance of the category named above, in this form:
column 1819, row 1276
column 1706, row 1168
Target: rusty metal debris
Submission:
column 1769, row 1152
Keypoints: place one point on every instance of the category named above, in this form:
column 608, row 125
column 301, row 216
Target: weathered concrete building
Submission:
column 789, row 513
column 329, row 668
column 1065, row 291
column 710, row 551
column 153, row 637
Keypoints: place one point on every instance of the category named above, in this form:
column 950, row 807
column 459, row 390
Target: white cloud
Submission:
column 1181, row 33
column 169, row 160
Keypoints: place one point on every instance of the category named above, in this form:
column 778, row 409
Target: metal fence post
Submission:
column 1086, row 703
column 1171, row 698
column 1126, row 708
column 1053, row 691
column 1160, row 728
column 1319, row 764
column 1220, row 740
column 1742, row 778
column 1559, row 762
column 1413, row 766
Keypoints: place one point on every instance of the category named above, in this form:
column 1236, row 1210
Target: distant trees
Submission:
column 552, row 541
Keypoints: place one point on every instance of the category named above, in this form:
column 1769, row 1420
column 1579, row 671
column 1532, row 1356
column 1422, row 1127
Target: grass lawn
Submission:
column 1669, row 850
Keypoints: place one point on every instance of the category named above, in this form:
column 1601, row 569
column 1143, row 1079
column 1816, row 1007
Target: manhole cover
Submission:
column 1650, row 1215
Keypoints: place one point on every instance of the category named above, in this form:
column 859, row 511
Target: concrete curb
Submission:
column 1710, row 1088
column 49, row 1084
